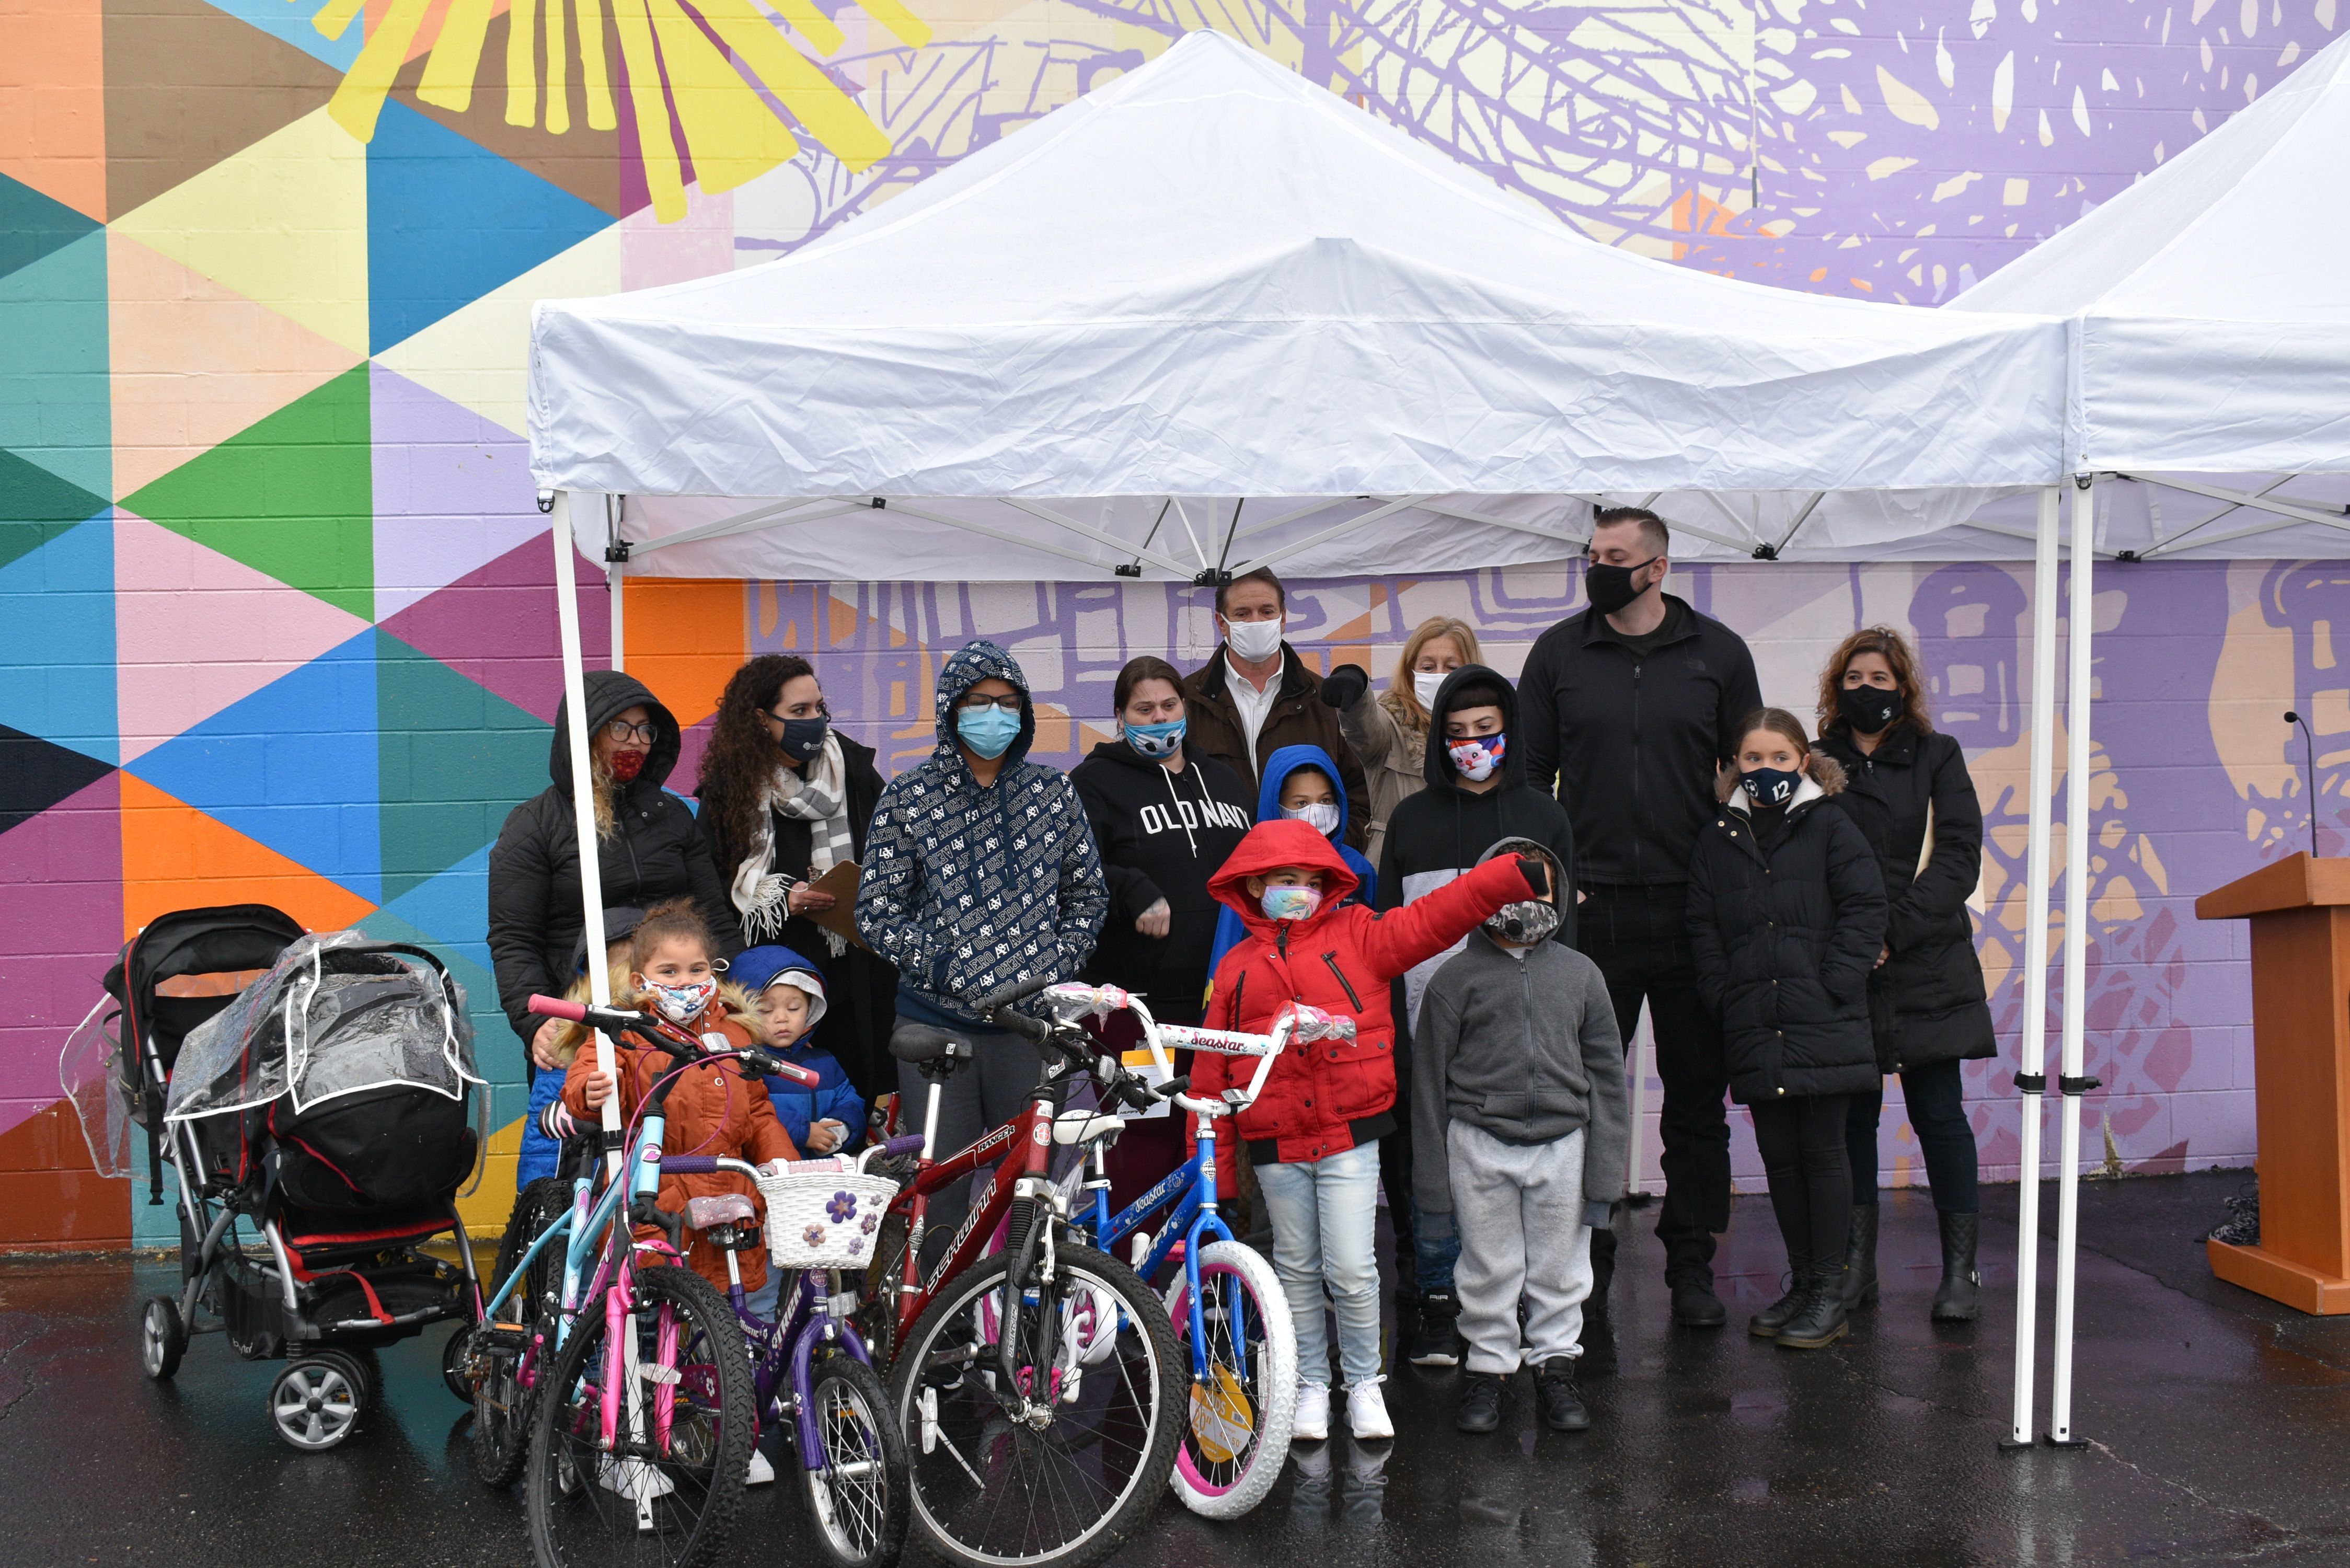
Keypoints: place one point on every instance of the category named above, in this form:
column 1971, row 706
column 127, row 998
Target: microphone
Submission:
column 2293, row 718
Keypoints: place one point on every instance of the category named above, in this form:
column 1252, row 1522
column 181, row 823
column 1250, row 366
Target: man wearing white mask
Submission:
column 1256, row 695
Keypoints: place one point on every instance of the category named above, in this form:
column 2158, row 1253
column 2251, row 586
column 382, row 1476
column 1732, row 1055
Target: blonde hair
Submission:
column 606, row 791
column 1402, row 694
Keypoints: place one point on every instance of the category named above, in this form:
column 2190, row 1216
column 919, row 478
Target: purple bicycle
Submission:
column 809, row 1366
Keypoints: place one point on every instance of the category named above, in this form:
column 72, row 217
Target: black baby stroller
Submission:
column 316, row 1091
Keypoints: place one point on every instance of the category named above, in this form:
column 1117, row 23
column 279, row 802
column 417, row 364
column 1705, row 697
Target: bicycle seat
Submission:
column 719, row 1208
column 917, row 1043
column 1084, row 1126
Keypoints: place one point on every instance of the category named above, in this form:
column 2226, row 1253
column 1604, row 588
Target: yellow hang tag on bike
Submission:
column 1221, row 1417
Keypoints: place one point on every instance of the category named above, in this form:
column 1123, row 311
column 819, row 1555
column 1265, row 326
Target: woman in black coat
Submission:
column 1786, row 915
column 648, row 850
column 784, row 799
column 1913, row 800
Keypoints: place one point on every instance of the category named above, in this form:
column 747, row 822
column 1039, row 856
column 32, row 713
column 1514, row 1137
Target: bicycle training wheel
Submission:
column 1236, row 1426
column 665, row 1494
column 1063, row 1465
column 856, row 1483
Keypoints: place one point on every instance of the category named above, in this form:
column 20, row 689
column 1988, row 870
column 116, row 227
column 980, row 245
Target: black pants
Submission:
column 1639, row 938
column 1937, row 1114
column 1802, row 1140
column 996, row 1085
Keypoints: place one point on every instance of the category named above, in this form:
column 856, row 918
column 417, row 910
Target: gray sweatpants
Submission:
column 1518, row 1209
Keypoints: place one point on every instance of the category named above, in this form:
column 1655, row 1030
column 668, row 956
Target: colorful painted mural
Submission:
column 276, row 606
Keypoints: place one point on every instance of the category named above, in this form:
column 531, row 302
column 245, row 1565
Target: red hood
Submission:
column 1268, row 847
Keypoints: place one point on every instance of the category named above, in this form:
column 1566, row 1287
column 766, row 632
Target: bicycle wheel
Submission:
column 1236, row 1429
column 655, row 1499
column 503, row 1401
column 856, row 1488
column 1001, row 1478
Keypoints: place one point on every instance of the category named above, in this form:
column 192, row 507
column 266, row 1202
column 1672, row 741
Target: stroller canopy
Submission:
column 337, row 1015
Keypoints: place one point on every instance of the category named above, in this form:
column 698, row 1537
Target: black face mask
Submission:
column 1610, row 587
column 1770, row 786
column 1867, row 708
column 804, row 738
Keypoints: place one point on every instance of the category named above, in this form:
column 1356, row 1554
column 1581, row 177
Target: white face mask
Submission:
column 1254, row 640
column 1426, row 683
column 1322, row 817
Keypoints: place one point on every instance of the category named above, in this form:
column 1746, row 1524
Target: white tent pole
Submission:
column 2072, row 1085
column 615, row 579
column 582, row 798
column 2031, row 1049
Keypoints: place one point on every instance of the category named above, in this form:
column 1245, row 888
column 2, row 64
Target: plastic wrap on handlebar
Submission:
column 689, row 1165
column 556, row 1007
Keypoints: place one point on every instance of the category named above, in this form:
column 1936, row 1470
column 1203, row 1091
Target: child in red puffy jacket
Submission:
column 1312, row 1134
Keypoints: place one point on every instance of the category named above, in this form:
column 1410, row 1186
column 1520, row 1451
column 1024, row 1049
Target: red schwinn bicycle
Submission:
column 1041, row 1390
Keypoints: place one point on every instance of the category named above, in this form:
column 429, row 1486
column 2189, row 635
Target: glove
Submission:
column 1344, row 686
column 1536, row 871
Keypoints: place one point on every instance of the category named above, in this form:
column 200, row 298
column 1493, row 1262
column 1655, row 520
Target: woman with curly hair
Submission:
column 784, row 799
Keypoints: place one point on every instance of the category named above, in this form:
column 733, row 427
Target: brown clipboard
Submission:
column 841, row 919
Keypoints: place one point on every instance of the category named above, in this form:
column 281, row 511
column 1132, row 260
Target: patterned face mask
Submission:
column 1322, row 817
column 1156, row 740
column 679, row 1003
column 1286, row 902
column 1476, row 759
column 1523, row 924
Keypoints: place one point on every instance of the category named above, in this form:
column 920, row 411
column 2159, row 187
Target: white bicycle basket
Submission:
column 821, row 1214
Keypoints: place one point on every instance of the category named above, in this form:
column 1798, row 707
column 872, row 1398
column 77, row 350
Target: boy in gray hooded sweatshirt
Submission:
column 1518, row 1080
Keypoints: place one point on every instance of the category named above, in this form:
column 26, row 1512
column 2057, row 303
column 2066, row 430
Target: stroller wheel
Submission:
column 453, row 1356
column 162, row 1338
column 316, row 1402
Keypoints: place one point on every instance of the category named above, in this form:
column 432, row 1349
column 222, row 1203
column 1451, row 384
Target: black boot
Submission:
column 1436, row 1341
column 1695, row 1306
column 1860, row 1259
column 1820, row 1321
column 1558, row 1400
column 1958, row 1300
column 1766, row 1323
column 1479, row 1409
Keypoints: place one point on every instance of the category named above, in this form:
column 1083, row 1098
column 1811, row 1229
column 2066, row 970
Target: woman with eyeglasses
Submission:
column 786, row 797
column 647, row 848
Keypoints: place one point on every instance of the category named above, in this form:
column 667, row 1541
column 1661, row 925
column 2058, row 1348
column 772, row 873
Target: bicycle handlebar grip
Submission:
column 1017, row 991
column 689, row 1165
column 904, row 1143
column 805, row 1077
column 556, row 1007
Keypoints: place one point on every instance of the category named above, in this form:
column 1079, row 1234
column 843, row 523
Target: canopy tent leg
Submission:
column 2032, row 1052
column 2072, row 1084
column 583, row 797
column 614, row 580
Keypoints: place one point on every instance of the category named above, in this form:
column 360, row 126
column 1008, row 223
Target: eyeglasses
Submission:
column 976, row 703
column 622, row 730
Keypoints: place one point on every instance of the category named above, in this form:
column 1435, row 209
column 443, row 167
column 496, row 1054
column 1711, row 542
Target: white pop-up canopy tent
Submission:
column 1212, row 317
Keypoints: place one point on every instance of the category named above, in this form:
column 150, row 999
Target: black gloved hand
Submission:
column 1536, row 871
column 1345, row 686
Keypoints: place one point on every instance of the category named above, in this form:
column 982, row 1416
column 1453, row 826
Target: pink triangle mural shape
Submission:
column 196, row 632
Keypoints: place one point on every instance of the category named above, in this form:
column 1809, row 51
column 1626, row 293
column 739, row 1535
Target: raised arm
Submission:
column 1399, row 939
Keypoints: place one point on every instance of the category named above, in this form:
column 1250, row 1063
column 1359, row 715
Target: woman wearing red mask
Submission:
column 648, row 850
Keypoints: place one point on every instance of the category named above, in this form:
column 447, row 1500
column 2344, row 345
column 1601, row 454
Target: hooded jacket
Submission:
column 1298, row 717
column 1277, row 769
column 1438, row 833
column 1324, row 1096
column 1783, row 940
column 655, row 852
column 797, row 1105
column 1927, row 1002
column 1634, row 744
column 1160, row 835
column 965, row 889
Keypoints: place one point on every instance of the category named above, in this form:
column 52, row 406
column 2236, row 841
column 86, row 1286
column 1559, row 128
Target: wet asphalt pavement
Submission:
column 2219, row 1425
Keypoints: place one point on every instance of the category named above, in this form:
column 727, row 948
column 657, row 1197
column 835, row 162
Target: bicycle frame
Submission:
column 1018, row 1176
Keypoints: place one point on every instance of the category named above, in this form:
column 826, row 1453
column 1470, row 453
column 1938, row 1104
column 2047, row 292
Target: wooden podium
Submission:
column 2300, row 911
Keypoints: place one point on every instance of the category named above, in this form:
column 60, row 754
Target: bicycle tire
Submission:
column 504, row 1404
column 581, row 1508
column 1227, row 1488
column 1137, row 1412
column 854, row 1528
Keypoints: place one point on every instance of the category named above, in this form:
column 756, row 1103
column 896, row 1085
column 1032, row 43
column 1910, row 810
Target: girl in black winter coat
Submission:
column 785, row 796
column 1909, row 794
column 649, row 850
column 1786, row 915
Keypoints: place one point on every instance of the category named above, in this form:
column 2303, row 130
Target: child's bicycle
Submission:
column 626, row 1394
column 810, row 1366
column 1224, row 1299
column 1040, row 1389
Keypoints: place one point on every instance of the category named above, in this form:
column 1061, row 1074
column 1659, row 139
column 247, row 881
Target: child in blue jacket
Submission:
column 788, row 992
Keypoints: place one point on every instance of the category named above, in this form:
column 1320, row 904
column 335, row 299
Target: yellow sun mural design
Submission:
column 731, row 132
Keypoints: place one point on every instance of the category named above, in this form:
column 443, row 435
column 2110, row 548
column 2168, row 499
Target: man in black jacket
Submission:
column 1630, row 708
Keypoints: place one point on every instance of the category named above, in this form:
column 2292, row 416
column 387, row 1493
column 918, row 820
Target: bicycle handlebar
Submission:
column 712, row 1164
column 1295, row 1019
column 666, row 1036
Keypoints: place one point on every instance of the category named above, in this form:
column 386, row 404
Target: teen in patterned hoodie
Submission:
column 980, row 872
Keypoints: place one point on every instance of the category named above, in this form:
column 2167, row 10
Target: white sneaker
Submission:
column 1367, row 1412
column 761, row 1472
column 1313, row 1423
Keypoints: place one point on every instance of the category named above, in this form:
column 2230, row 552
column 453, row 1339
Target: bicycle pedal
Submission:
column 663, row 1375
column 928, row 1405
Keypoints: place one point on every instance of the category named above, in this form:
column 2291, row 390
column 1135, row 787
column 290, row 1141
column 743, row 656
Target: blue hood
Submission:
column 1287, row 761
column 965, row 668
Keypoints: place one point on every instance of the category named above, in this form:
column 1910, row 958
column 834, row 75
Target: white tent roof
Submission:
column 2213, row 297
column 1213, row 288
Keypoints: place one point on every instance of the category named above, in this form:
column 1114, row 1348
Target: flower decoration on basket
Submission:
column 842, row 1206
column 812, row 1235
column 872, row 1221
column 856, row 1246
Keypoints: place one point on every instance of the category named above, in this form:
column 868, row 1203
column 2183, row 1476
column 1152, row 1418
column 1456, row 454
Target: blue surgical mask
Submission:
column 1285, row 901
column 1770, row 786
column 1156, row 741
column 988, row 731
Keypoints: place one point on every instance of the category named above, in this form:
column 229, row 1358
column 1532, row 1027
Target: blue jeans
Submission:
column 1324, row 1212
